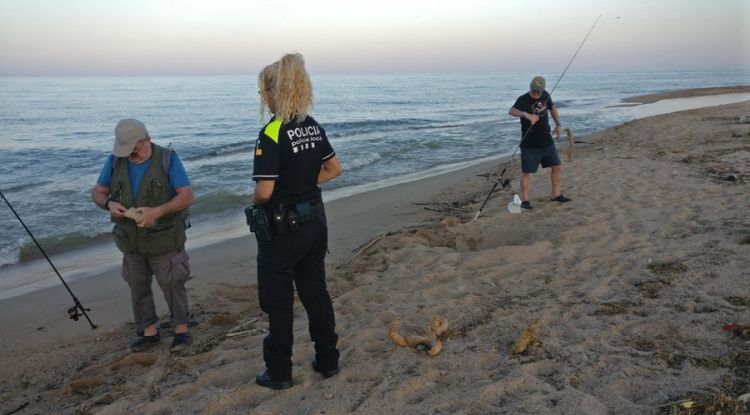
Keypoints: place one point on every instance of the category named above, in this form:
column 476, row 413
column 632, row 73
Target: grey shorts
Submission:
column 532, row 157
column 172, row 270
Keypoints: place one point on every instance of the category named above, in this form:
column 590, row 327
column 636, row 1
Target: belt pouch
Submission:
column 279, row 219
column 304, row 210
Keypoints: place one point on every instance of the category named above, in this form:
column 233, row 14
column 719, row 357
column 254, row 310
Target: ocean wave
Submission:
column 9, row 255
column 576, row 102
column 219, row 201
column 224, row 150
column 360, row 162
column 26, row 186
column 346, row 128
column 60, row 243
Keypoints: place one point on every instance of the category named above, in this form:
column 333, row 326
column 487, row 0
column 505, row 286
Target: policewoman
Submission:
column 292, row 158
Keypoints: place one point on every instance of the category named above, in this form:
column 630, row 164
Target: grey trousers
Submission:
column 171, row 270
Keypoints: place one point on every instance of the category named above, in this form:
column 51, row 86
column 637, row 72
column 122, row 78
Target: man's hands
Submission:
column 533, row 118
column 144, row 217
column 147, row 216
column 116, row 209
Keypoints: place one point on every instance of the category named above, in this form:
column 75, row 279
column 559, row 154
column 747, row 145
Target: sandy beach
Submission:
column 641, row 286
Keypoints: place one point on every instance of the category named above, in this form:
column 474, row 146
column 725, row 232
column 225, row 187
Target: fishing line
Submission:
column 506, row 182
column 77, row 310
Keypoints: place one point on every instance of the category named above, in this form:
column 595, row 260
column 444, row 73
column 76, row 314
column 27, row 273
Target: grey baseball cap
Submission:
column 127, row 133
column 538, row 84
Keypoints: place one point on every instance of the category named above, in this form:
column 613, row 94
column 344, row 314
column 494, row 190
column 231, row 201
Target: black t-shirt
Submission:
column 540, row 136
column 292, row 154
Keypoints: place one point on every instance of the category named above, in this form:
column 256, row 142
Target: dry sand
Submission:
column 633, row 281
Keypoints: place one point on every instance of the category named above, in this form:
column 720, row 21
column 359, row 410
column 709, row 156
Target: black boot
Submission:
column 263, row 379
column 326, row 373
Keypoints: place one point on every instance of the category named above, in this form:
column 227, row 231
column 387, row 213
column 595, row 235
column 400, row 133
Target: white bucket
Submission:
column 515, row 205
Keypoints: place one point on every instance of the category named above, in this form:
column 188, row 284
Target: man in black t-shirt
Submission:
column 537, row 145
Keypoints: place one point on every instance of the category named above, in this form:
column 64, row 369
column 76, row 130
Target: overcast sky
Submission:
column 159, row 37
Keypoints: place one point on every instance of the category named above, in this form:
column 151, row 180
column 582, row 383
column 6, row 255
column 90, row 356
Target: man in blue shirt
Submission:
column 147, row 192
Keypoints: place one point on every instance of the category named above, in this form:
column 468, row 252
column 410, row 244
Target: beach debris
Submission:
column 742, row 332
column 235, row 331
column 143, row 359
column 132, row 213
column 429, row 343
column 529, row 337
column 731, row 177
column 571, row 147
column 83, row 385
column 236, row 328
column 687, row 404
column 716, row 402
column 729, row 327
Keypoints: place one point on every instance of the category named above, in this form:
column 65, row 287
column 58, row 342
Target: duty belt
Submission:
column 283, row 219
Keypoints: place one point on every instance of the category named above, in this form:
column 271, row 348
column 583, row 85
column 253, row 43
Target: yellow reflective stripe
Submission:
column 272, row 130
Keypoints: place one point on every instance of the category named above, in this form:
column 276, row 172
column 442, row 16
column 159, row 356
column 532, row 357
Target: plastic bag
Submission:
column 515, row 205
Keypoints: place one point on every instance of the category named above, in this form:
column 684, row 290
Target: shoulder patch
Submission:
column 272, row 130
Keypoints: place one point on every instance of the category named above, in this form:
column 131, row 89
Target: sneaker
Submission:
column 526, row 205
column 144, row 342
column 180, row 342
column 325, row 373
column 263, row 379
column 561, row 199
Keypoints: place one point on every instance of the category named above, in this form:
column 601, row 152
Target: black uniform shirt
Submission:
column 292, row 154
column 539, row 137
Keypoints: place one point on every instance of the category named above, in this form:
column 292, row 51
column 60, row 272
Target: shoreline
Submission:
column 686, row 93
column 82, row 262
column 633, row 280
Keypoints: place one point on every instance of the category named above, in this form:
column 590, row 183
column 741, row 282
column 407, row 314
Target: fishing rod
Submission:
column 506, row 182
column 77, row 310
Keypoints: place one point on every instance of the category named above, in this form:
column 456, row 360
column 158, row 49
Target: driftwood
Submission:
column 529, row 337
column 234, row 330
column 430, row 342
column 571, row 146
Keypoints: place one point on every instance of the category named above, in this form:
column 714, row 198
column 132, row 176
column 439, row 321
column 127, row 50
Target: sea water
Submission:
column 57, row 132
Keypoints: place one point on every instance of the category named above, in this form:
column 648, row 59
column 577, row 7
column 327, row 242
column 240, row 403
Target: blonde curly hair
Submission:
column 288, row 81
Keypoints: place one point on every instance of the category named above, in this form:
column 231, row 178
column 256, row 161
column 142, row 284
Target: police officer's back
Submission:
column 292, row 157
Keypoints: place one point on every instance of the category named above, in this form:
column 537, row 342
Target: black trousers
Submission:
column 296, row 259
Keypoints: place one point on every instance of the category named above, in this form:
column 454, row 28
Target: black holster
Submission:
column 258, row 222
